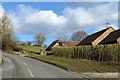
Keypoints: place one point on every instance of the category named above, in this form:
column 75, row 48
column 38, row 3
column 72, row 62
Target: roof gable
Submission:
column 89, row 39
column 65, row 43
column 52, row 44
column 111, row 38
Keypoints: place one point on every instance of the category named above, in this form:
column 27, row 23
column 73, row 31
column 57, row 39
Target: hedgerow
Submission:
column 98, row 53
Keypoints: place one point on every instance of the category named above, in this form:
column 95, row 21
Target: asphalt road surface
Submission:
column 16, row 66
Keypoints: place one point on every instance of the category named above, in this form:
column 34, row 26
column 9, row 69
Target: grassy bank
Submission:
column 77, row 65
column 30, row 48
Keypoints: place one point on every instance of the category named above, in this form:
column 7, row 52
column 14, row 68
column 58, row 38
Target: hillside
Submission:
column 30, row 48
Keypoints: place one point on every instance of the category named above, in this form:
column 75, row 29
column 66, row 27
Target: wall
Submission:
column 118, row 40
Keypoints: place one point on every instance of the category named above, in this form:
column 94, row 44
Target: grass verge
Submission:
column 12, row 52
column 77, row 65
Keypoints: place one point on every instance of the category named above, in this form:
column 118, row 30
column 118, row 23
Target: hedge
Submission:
column 99, row 52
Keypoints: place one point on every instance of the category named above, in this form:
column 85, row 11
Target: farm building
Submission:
column 96, row 38
column 60, row 43
column 105, row 36
column 112, row 38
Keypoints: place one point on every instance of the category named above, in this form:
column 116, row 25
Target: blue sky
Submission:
column 55, row 19
column 41, row 6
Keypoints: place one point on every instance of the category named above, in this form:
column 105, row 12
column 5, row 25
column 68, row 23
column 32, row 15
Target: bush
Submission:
column 63, row 52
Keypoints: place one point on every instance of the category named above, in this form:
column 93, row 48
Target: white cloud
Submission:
column 30, row 21
column 1, row 11
column 46, row 17
column 94, row 17
column 78, row 17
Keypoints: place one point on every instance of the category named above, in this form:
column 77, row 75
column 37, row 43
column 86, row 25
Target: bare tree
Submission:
column 39, row 39
column 78, row 36
column 6, row 32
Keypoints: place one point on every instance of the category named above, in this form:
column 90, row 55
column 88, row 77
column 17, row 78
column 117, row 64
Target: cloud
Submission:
column 1, row 11
column 94, row 17
column 31, row 21
column 78, row 18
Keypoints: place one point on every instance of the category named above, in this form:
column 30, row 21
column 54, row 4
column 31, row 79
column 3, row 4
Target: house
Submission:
column 60, row 43
column 96, row 38
column 112, row 38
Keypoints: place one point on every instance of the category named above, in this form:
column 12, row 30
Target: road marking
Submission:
column 28, row 69
column 30, row 72
column 8, row 59
column 24, row 63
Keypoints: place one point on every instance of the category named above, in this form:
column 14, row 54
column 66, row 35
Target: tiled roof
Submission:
column 66, row 43
column 52, row 44
column 89, row 39
column 70, row 43
column 111, row 38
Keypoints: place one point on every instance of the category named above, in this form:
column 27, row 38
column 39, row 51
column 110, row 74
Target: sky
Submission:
column 58, row 19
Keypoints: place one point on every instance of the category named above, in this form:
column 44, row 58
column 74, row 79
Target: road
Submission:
column 16, row 66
